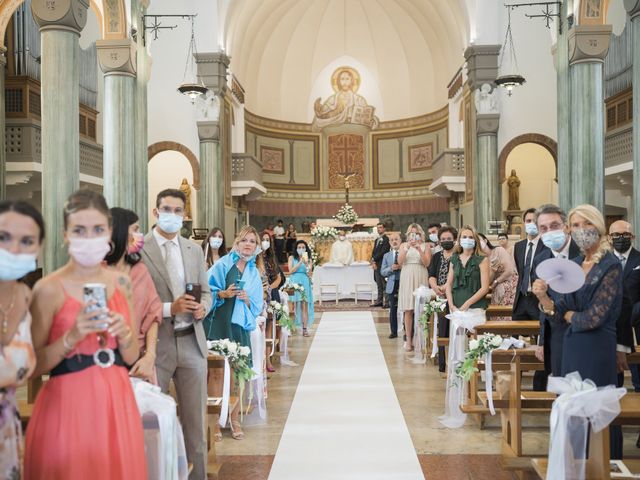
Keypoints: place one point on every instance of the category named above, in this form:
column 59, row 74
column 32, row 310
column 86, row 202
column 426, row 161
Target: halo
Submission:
column 354, row 73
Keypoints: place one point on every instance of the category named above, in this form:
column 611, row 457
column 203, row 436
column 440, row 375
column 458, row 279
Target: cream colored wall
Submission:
column 166, row 170
column 535, row 167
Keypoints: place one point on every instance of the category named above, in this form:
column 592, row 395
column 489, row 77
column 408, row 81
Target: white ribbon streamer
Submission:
column 434, row 341
column 579, row 404
column 226, row 394
column 258, row 347
column 456, row 388
column 506, row 344
column 422, row 295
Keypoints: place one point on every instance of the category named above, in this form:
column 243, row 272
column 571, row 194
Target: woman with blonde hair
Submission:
column 468, row 282
column 414, row 257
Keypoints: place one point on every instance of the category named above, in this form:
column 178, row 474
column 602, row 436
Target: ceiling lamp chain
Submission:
column 511, row 79
column 194, row 88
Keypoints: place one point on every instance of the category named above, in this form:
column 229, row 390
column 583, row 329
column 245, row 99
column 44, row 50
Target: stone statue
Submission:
column 486, row 100
column 209, row 107
column 513, row 182
column 186, row 189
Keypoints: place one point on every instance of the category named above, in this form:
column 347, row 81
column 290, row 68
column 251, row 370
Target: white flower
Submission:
column 245, row 351
column 233, row 347
column 473, row 344
column 496, row 341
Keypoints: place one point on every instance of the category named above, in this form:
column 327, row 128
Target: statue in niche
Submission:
column 345, row 105
column 486, row 100
column 186, row 189
column 513, row 182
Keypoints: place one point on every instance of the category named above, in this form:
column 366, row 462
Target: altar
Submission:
column 345, row 278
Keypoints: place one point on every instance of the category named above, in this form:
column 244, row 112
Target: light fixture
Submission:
column 509, row 80
column 192, row 89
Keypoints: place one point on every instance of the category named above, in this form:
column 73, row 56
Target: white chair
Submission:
column 329, row 288
column 362, row 288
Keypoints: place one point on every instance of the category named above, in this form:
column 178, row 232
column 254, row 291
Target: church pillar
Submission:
column 117, row 60
column 588, row 45
column 60, row 26
column 563, row 112
column 3, row 152
column 211, row 194
column 487, row 204
column 633, row 8
column 212, row 70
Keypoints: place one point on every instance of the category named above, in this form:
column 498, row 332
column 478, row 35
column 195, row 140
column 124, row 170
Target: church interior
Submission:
column 381, row 158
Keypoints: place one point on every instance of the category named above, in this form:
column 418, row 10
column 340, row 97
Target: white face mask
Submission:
column 215, row 242
column 89, row 252
column 266, row 244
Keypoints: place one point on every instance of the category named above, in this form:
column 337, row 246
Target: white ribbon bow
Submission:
column 506, row 344
column 422, row 295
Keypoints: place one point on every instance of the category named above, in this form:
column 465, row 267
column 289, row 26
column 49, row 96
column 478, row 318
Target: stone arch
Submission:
column 111, row 16
column 548, row 143
column 160, row 147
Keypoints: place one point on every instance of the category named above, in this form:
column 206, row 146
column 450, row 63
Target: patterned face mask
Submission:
column 585, row 238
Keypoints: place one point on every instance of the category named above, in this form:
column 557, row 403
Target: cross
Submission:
column 347, row 176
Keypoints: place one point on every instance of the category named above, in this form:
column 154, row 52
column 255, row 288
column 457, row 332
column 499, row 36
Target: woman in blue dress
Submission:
column 301, row 268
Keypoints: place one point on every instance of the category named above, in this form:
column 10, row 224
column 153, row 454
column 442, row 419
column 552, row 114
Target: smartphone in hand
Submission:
column 240, row 284
column 195, row 290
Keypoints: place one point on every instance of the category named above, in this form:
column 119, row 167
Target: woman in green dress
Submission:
column 468, row 282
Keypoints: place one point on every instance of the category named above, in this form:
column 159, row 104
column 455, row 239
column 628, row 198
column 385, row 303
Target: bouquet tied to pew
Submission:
column 237, row 356
column 293, row 287
column 281, row 315
column 478, row 348
column 437, row 305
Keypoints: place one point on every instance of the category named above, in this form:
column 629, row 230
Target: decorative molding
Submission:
column 548, row 143
column 482, row 64
column 160, row 147
column 117, row 56
column 455, row 85
column 420, row 157
column 272, row 159
column 487, row 123
column 633, row 8
column 68, row 15
column 208, row 131
column 589, row 43
column 212, row 70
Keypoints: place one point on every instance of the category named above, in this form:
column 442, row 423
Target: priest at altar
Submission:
column 342, row 251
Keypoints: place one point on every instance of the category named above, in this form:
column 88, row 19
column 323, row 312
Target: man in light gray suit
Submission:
column 173, row 262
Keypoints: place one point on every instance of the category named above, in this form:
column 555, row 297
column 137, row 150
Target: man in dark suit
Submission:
column 380, row 248
column 554, row 234
column 390, row 269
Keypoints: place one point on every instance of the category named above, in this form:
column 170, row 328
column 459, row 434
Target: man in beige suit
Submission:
column 173, row 262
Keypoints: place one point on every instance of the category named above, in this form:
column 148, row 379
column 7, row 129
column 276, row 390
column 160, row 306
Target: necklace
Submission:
column 6, row 311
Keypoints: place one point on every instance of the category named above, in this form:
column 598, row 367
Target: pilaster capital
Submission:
column 482, row 64
column 117, row 57
column 633, row 8
column 70, row 15
column 212, row 70
column 487, row 123
column 209, row 131
column 589, row 43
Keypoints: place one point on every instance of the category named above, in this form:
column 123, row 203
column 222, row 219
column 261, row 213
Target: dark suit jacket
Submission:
column 630, row 299
column 379, row 249
column 519, row 253
column 552, row 333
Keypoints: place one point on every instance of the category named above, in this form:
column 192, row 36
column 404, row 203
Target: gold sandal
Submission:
column 236, row 430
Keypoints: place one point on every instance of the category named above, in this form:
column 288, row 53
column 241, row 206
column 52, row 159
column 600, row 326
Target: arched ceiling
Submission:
column 283, row 52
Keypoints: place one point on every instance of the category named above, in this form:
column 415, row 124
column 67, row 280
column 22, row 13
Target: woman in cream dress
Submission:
column 414, row 258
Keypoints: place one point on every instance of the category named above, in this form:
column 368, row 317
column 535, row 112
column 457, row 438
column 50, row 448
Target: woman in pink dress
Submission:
column 503, row 274
column 21, row 235
column 85, row 422
column 127, row 241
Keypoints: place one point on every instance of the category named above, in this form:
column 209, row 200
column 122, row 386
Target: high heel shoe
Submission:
column 271, row 369
column 305, row 332
column 236, row 430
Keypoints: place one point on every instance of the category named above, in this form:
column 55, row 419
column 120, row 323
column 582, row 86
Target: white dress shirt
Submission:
column 278, row 232
column 533, row 254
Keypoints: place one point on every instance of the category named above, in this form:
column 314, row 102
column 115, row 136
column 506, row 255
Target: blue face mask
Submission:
column 531, row 229
column 169, row 222
column 554, row 239
column 467, row 243
column 15, row 266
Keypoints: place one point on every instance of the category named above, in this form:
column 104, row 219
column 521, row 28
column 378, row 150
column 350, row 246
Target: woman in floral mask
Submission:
column 85, row 421
column 127, row 241
column 589, row 345
column 214, row 247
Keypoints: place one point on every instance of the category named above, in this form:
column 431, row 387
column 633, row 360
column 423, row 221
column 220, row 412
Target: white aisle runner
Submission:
column 345, row 421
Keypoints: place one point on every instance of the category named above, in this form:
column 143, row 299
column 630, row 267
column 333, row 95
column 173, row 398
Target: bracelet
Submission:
column 67, row 348
column 549, row 313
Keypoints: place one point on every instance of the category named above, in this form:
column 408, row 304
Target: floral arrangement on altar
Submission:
column 281, row 315
column 322, row 233
column 293, row 288
column 238, row 357
column 477, row 348
column 346, row 214
column 315, row 256
column 437, row 305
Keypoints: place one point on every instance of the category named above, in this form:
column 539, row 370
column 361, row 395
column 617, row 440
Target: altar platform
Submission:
column 345, row 279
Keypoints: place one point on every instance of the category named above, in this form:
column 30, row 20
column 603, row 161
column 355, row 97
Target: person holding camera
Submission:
column 175, row 263
column 301, row 269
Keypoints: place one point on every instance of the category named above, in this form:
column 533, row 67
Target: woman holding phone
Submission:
column 85, row 421
column 301, row 269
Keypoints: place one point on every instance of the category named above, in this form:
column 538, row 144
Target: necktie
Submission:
column 524, row 288
column 174, row 268
column 623, row 261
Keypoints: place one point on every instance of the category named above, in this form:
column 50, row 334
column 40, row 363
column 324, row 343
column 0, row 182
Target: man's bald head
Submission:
column 620, row 226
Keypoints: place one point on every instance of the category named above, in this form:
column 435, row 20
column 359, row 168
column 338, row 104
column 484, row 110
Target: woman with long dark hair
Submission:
column 127, row 241
column 275, row 280
column 214, row 246
column 301, row 268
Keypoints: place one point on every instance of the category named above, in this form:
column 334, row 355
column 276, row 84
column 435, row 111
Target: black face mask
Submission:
column 447, row 244
column 621, row 244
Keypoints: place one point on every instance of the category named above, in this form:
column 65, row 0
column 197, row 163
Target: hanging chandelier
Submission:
column 509, row 80
column 193, row 89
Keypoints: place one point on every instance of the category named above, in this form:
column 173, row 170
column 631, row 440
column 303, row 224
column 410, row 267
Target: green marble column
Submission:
column 564, row 124
column 633, row 8
column 211, row 193
column 487, row 200
column 3, row 151
column 60, row 25
column 588, row 45
column 117, row 60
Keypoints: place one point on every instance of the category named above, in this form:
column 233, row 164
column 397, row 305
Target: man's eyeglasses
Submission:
column 626, row 236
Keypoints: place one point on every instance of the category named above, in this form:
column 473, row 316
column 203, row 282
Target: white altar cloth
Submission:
column 345, row 277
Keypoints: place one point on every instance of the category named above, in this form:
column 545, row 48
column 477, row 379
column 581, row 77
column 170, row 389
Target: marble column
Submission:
column 563, row 112
column 60, row 26
column 487, row 198
column 211, row 194
column 3, row 150
column 118, row 62
column 633, row 8
column 588, row 45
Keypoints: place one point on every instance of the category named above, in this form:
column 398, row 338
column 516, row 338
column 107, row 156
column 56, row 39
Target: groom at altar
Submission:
column 379, row 250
